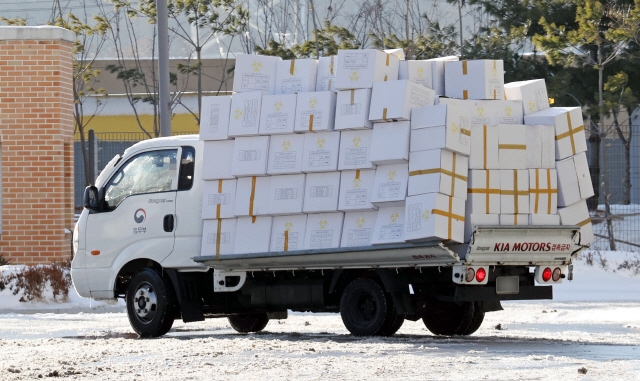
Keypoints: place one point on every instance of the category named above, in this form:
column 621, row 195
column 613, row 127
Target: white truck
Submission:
column 139, row 238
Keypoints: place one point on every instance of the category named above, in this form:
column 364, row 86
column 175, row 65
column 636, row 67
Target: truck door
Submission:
column 137, row 218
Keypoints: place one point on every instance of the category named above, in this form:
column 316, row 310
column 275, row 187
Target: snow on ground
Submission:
column 593, row 323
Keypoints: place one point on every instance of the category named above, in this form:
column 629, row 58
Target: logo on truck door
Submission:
column 140, row 215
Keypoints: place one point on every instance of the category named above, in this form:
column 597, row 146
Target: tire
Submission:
column 448, row 318
column 476, row 322
column 249, row 323
column 363, row 307
column 391, row 325
column 154, row 315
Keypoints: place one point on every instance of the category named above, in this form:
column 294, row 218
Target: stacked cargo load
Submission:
column 364, row 148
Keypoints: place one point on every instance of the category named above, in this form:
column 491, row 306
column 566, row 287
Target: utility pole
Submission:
column 163, row 66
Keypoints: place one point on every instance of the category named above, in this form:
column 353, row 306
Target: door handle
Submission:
column 167, row 223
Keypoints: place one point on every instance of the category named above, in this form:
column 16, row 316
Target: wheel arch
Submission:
column 129, row 270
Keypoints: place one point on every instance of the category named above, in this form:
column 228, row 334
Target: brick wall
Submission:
column 36, row 134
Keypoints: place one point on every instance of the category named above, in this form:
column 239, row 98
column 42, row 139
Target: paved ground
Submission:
column 539, row 340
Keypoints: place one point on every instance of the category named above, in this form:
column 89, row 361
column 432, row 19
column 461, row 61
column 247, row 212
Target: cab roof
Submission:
column 169, row 141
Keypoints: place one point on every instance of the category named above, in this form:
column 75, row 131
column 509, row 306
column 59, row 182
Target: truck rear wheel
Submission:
column 363, row 307
column 392, row 324
column 476, row 322
column 151, row 306
column 249, row 323
column 448, row 318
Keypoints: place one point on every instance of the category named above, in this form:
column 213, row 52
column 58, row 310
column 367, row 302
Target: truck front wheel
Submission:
column 151, row 304
column 447, row 318
column 249, row 323
column 363, row 307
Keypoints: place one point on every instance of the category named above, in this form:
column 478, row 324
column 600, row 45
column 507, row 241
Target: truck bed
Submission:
column 486, row 247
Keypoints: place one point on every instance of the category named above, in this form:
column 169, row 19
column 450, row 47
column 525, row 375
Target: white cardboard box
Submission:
column 315, row 112
column 390, row 143
column 218, row 242
column 216, row 159
column 250, row 156
column 356, row 188
column 473, row 220
column 532, row 93
column 390, row 185
column 352, row 109
column 488, row 112
column 569, row 129
column 287, row 232
column 321, row 193
column 483, row 192
column 574, row 180
column 278, row 114
column 323, row 230
column 417, row 71
column 286, row 194
column 513, row 146
column 484, row 147
column 396, row 52
column 541, row 151
column 214, row 120
column 252, row 196
column 326, row 73
column 514, row 219
column 440, row 171
column 578, row 214
column 389, row 226
column 360, row 68
column 544, row 219
column 441, row 126
column 321, row 151
column 543, row 191
column 393, row 100
column 355, row 148
column 358, row 228
column 514, row 191
column 296, row 76
column 255, row 73
column 434, row 216
column 437, row 71
column 285, row 154
column 245, row 113
column 218, row 199
column 476, row 79
column 259, row 231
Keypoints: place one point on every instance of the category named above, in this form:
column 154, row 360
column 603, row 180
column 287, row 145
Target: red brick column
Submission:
column 36, row 137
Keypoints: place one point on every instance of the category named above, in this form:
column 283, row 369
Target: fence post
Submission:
column 92, row 157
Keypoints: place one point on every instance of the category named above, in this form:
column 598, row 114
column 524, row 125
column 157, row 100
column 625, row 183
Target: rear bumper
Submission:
column 488, row 293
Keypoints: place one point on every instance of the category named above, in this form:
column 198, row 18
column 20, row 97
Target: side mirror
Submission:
column 91, row 198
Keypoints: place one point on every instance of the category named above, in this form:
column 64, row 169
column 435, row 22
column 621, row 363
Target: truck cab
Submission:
column 146, row 209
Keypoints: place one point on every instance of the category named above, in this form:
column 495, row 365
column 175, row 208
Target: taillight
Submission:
column 556, row 274
column 480, row 275
column 546, row 274
column 470, row 274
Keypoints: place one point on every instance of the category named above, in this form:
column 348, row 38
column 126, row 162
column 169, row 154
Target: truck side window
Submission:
column 148, row 172
column 187, row 164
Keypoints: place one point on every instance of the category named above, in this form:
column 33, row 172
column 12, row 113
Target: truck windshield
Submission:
column 148, row 172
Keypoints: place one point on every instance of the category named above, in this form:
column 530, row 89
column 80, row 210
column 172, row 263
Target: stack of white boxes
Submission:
column 337, row 152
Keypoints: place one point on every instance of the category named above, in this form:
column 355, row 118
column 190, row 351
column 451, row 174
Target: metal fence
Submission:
column 625, row 216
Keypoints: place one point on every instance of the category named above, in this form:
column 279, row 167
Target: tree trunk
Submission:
column 603, row 136
column 198, row 49
column 85, row 159
column 460, row 23
column 315, row 29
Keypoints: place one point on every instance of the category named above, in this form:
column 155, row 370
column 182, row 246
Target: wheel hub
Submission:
column 145, row 302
